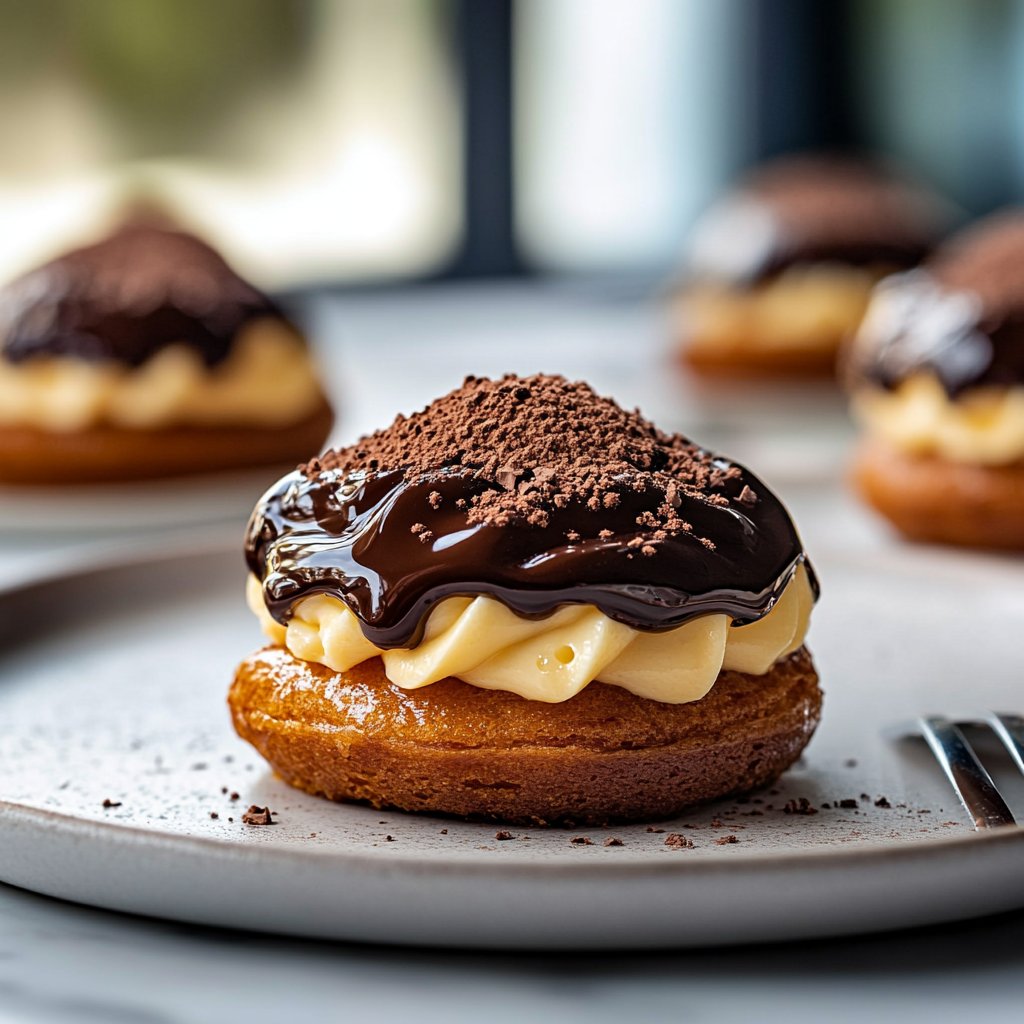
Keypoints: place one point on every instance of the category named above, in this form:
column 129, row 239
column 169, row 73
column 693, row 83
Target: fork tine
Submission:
column 1010, row 729
column 972, row 783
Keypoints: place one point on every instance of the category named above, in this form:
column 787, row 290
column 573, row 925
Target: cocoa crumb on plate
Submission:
column 675, row 841
column 257, row 816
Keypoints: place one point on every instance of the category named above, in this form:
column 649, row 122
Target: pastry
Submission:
column 937, row 376
column 524, row 603
column 779, row 271
column 146, row 356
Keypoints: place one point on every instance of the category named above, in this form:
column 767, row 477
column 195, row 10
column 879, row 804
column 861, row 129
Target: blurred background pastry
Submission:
column 937, row 372
column 145, row 356
column 778, row 271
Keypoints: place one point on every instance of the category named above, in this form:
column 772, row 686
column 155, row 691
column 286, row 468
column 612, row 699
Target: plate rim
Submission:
column 878, row 849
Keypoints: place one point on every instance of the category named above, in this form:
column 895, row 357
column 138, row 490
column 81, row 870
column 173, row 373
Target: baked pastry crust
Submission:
column 105, row 454
column 604, row 755
column 935, row 500
column 756, row 362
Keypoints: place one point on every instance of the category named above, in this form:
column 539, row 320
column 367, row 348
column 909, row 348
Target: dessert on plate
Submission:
column 525, row 603
column 779, row 271
column 145, row 356
column 937, row 378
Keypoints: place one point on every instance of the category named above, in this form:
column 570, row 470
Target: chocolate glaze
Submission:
column 127, row 298
column 961, row 318
column 350, row 537
column 815, row 209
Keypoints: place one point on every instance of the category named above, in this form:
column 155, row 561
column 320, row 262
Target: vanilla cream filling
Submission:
column 983, row 425
column 809, row 308
column 486, row 644
column 267, row 380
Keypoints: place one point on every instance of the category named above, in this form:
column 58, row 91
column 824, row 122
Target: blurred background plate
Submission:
column 114, row 508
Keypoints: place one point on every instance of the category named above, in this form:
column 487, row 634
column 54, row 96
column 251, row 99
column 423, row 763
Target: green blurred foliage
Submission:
column 167, row 72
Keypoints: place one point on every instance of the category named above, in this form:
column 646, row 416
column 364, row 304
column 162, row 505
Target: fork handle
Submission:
column 972, row 783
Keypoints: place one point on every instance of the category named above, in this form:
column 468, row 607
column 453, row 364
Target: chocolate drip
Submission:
column 391, row 548
column 961, row 318
column 127, row 298
column 801, row 211
column 879, row 259
column 917, row 325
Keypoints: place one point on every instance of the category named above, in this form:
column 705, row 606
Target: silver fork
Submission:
column 972, row 782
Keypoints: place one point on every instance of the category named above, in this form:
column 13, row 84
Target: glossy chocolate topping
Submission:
column 684, row 535
column 805, row 210
column 961, row 317
column 127, row 298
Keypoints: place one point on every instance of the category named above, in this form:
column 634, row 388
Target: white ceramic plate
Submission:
column 112, row 687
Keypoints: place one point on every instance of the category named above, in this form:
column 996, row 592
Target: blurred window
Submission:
column 309, row 139
column 941, row 87
column 629, row 117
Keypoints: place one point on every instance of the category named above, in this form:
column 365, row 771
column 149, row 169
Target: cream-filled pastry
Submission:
column 518, row 587
column 145, row 355
column 779, row 271
column 937, row 379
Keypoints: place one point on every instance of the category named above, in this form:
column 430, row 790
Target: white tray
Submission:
column 112, row 687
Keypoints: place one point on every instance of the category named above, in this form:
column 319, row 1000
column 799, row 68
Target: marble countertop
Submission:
column 396, row 351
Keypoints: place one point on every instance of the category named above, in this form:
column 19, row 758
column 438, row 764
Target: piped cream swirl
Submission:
column 983, row 425
column 482, row 642
column 268, row 379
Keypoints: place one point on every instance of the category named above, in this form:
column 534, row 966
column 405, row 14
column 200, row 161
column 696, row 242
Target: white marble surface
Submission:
column 394, row 351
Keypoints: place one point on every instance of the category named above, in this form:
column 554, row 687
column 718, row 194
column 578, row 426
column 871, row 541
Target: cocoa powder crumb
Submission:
column 801, row 806
column 580, row 841
column 214, row 815
column 501, row 835
column 612, row 842
column 725, row 840
column 534, row 438
column 111, row 803
column 257, row 816
column 651, row 828
column 850, row 802
column 434, row 497
column 748, row 496
column 882, row 802
column 444, row 832
column 676, row 841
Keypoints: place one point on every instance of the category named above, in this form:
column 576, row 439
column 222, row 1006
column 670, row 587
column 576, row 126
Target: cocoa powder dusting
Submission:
column 537, row 440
